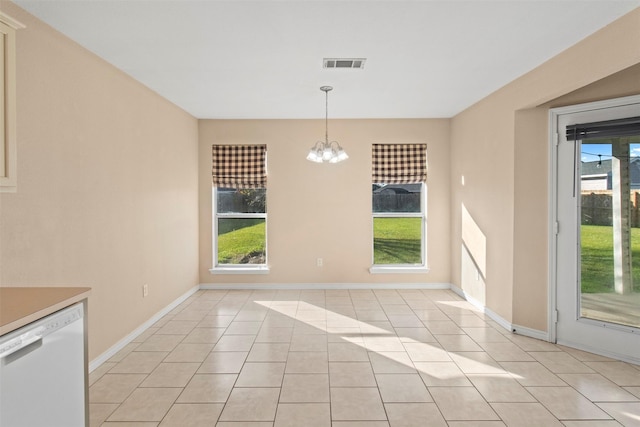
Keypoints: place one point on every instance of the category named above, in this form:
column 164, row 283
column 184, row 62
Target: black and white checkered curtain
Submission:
column 399, row 163
column 239, row 166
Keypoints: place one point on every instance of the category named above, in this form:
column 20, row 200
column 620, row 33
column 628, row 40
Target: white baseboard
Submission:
column 325, row 286
column 461, row 293
column 516, row 329
column 95, row 363
column 531, row 333
column 492, row 314
column 499, row 319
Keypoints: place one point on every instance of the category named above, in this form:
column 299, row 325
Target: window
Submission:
column 241, row 219
column 8, row 163
column 239, row 209
column 398, row 207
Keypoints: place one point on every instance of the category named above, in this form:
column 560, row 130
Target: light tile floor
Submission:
column 352, row 358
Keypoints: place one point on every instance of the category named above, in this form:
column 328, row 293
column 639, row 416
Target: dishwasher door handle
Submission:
column 21, row 342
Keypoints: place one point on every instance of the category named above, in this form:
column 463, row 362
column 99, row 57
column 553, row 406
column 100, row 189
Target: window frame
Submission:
column 403, row 268
column 8, row 139
column 235, row 268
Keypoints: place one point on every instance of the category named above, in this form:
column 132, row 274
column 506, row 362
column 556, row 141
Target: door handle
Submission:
column 21, row 342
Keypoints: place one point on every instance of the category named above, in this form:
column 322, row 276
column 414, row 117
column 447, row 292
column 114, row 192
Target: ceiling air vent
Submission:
column 344, row 62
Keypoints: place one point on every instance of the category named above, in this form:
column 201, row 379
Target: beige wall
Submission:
column 530, row 258
column 107, row 186
column 495, row 145
column 324, row 210
column 620, row 84
column 531, row 194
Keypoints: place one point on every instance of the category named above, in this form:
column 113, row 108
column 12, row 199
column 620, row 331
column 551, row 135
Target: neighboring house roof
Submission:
column 592, row 169
column 399, row 188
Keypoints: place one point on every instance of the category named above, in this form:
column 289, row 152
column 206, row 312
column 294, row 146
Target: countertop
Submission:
column 21, row 306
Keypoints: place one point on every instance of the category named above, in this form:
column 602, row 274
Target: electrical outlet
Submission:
column 145, row 290
column 319, row 262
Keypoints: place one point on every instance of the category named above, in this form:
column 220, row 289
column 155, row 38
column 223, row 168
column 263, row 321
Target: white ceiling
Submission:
column 263, row 58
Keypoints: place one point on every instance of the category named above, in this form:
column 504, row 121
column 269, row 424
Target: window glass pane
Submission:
column 396, row 197
column 610, row 231
column 397, row 240
column 241, row 241
column 232, row 200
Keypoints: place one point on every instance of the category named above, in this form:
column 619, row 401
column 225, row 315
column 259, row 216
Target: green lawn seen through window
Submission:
column 397, row 240
column 597, row 258
column 241, row 241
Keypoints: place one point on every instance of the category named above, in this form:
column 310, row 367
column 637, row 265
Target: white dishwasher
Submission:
column 42, row 372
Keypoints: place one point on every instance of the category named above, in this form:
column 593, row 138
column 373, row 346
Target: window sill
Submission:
column 263, row 269
column 392, row 269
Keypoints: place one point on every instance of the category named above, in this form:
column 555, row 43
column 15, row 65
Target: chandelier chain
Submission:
column 326, row 116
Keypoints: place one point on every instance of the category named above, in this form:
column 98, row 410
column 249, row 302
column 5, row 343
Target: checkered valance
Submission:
column 399, row 163
column 239, row 166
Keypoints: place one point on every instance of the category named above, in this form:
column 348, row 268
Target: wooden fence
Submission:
column 390, row 202
column 597, row 208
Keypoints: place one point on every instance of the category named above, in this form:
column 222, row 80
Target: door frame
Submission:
column 553, row 226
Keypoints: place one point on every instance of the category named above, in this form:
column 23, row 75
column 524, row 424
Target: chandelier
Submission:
column 325, row 151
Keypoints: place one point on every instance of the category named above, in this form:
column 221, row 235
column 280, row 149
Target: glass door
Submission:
column 597, row 247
